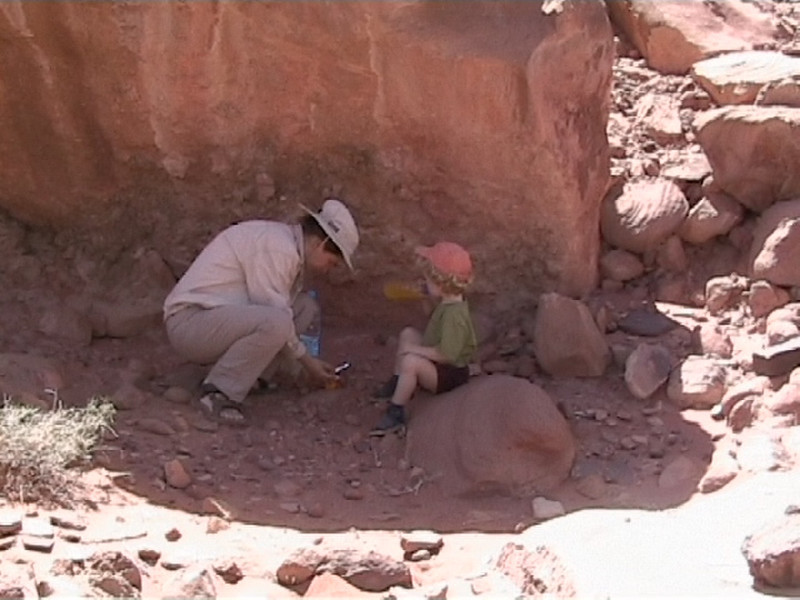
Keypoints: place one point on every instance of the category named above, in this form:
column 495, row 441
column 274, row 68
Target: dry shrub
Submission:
column 39, row 448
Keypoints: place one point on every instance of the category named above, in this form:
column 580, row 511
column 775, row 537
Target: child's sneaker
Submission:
column 393, row 420
column 387, row 389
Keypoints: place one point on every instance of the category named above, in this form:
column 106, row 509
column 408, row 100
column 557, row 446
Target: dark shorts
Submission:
column 450, row 376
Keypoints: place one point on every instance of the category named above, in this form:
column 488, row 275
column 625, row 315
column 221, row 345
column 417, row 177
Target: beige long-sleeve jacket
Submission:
column 253, row 262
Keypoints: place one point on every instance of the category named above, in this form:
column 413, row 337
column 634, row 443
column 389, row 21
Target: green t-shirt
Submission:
column 450, row 330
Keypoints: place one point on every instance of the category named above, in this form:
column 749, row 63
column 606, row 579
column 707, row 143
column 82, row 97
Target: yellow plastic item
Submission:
column 403, row 290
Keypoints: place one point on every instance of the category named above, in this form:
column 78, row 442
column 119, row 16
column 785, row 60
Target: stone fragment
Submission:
column 738, row 77
column 215, row 506
column 7, row 542
column 419, row 539
column 39, row 544
column 646, row 369
column 748, row 171
column 10, row 522
column 647, row 322
column 229, row 571
column 567, row 341
column 777, row 360
column 68, row 520
column 129, row 397
column 621, row 265
column 115, row 574
column 544, row 508
column 698, row 382
column 176, row 474
column 722, row 470
column 773, row 553
column 724, row 292
column 714, row 215
column 149, row 555
column 217, row 524
column 178, row 395
column 327, row 585
column 642, row 214
column 195, row 582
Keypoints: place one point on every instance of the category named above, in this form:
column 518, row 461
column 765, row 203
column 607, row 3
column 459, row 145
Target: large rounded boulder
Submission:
column 643, row 214
column 496, row 433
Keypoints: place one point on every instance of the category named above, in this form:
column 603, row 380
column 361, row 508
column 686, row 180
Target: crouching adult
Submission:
column 240, row 305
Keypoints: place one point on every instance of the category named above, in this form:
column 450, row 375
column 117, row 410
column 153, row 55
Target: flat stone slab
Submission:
column 647, row 323
column 737, row 77
column 38, row 544
column 777, row 360
column 10, row 522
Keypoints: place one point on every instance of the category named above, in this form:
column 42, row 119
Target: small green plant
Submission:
column 38, row 448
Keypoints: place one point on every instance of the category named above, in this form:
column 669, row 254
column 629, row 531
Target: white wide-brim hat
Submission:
column 337, row 222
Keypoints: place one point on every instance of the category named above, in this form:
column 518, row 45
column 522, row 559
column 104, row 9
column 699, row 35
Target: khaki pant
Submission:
column 243, row 342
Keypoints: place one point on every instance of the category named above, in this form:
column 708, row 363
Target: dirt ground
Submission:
column 305, row 469
column 305, row 460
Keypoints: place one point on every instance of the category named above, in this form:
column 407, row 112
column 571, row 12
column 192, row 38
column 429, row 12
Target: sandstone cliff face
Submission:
column 486, row 119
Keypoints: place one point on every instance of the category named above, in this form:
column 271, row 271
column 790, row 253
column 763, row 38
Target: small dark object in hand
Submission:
column 342, row 367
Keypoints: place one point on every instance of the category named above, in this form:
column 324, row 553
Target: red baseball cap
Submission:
column 448, row 258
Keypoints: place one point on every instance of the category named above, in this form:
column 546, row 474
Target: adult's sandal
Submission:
column 217, row 407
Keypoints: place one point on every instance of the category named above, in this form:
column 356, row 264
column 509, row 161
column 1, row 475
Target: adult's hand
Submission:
column 320, row 371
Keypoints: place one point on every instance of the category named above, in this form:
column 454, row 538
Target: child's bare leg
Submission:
column 408, row 337
column 414, row 370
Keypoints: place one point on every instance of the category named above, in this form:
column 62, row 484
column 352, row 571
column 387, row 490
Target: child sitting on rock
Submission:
column 438, row 359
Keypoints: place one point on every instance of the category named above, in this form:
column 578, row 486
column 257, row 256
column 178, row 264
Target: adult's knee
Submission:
column 277, row 325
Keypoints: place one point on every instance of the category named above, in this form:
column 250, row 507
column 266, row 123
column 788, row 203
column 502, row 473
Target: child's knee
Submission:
column 409, row 335
column 412, row 364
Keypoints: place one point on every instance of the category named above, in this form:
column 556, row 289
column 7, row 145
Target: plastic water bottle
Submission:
column 311, row 337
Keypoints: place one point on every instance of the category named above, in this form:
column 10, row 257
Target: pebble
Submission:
column 290, row 507
column 217, row 524
column 624, row 415
column 178, row 395
column 353, row 494
column 421, row 540
column 655, row 422
column 149, row 555
column 287, row 489
column 176, row 474
column 420, row 555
